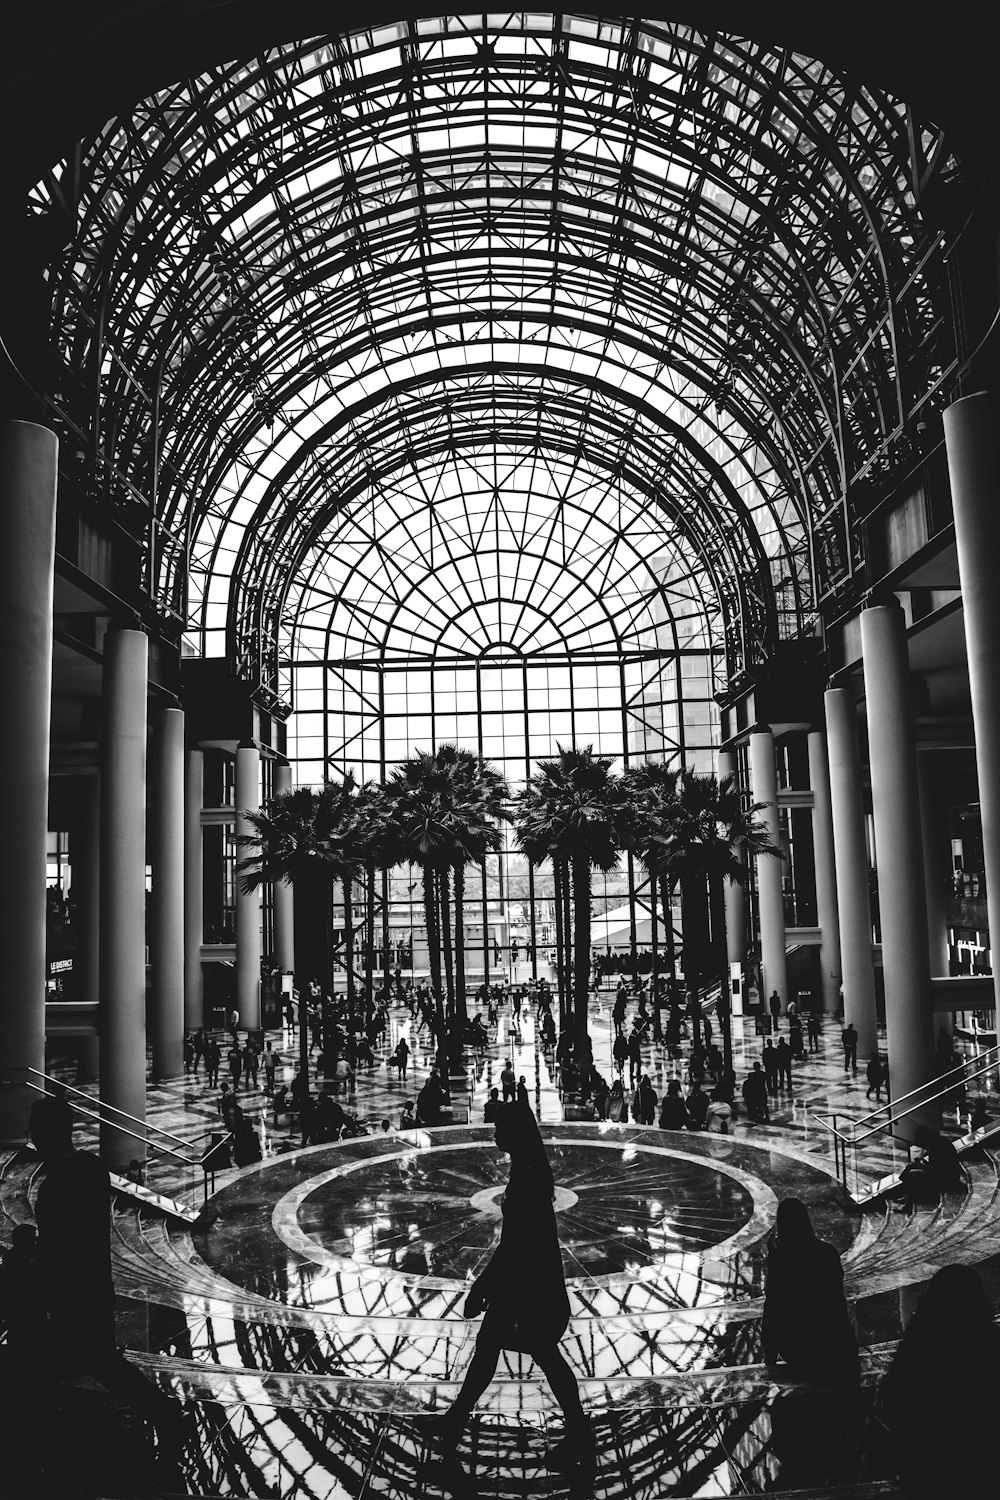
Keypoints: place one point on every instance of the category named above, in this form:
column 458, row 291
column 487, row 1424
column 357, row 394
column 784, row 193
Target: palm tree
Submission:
column 479, row 796
column 704, row 839
column 646, row 789
column 296, row 840
column 570, row 812
column 418, row 804
column 445, row 809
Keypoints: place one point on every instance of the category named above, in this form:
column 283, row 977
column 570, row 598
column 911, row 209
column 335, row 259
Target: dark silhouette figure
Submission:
column 22, row 1302
column 73, row 1212
column 939, row 1397
column 938, row 1170
column 492, row 1107
column 875, row 1074
column 673, row 1110
column 849, row 1042
column 524, row 1312
column 755, row 1095
column 806, row 1322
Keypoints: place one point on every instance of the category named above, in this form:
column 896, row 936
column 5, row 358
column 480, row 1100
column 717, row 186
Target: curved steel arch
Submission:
column 780, row 185
column 258, row 540
column 322, row 539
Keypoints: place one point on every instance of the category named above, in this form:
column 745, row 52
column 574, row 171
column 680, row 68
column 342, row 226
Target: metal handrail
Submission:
column 89, row 1114
column 854, row 1139
column 889, row 1105
column 70, row 1089
column 190, row 1161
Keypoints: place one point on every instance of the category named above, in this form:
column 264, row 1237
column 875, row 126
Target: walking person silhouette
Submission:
column 523, row 1292
column 73, row 1213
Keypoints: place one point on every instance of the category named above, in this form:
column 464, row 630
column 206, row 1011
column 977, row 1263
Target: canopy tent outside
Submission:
column 614, row 928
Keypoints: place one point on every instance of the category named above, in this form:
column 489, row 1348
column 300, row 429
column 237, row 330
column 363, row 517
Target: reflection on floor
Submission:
column 315, row 1308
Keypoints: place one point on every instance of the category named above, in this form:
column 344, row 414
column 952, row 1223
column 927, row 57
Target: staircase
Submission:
column 315, row 1393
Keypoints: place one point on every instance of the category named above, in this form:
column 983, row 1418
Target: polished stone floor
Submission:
column 315, row 1307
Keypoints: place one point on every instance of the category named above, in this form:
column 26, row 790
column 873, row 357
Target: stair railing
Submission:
column 882, row 1123
column 137, row 1130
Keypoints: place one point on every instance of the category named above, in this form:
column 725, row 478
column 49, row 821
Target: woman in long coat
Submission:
column 523, row 1292
column 806, row 1321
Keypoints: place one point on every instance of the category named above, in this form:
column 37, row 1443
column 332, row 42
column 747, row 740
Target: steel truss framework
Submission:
column 310, row 292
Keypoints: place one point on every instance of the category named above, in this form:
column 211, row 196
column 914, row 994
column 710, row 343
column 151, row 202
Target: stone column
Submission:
column 247, row 907
column 194, row 892
column 28, row 460
column 825, row 870
column 764, row 780
column 736, row 935
column 847, row 811
column 902, row 905
column 123, row 890
column 167, row 997
column 284, row 898
column 972, row 439
column 87, row 891
column 937, row 863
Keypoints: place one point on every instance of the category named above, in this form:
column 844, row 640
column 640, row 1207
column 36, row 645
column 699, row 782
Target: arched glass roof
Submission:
column 644, row 302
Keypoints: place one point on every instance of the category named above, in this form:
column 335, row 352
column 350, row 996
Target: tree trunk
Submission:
column 370, row 927
column 667, row 903
column 717, row 906
column 694, row 929
column 567, row 930
column 461, row 1007
column 557, row 908
column 581, row 952
column 444, row 885
column 386, row 959
column 432, row 911
column 311, row 940
column 349, row 950
column 654, row 972
column 430, row 925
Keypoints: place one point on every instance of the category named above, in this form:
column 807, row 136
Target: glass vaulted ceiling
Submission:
column 531, row 332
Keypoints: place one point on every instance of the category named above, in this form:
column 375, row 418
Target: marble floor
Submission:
column 313, row 1311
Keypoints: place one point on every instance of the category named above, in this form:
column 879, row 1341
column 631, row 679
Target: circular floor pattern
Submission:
column 624, row 1209
column 417, row 1214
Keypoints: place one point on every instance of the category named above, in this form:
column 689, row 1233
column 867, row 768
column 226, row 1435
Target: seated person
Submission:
column 429, row 1102
column 475, row 1032
column 937, row 1170
column 407, row 1119
column 719, row 1115
column 492, row 1107
column 673, row 1110
column 697, row 1108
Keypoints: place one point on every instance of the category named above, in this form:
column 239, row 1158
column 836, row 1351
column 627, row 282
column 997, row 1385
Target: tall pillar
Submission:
column 28, row 458
column 284, row 910
column 937, row 863
column 87, row 894
column 902, row 907
column 847, row 811
column 247, row 907
column 825, row 870
column 123, row 890
column 194, row 889
column 764, row 781
column 736, row 935
column 972, row 439
column 167, row 996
